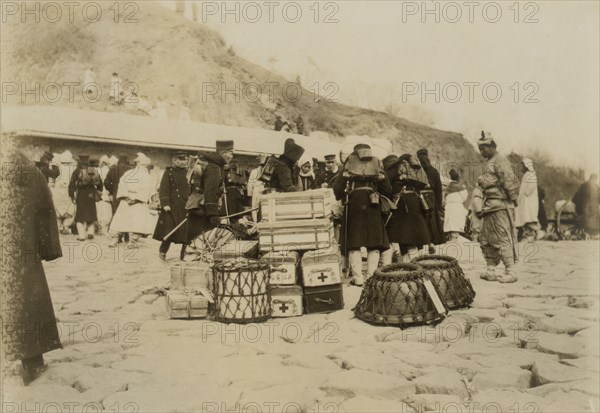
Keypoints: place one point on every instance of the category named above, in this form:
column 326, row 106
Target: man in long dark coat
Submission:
column 285, row 174
column 586, row 201
column 363, row 224
column 210, row 186
column 111, row 183
column 173, row 192
column 49, row 171
column 435, row 197
column 28, row 323
column 83, row 187
column 407, row 226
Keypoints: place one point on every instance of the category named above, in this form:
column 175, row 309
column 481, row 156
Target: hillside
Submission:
column 176, row 60
column 170, row 57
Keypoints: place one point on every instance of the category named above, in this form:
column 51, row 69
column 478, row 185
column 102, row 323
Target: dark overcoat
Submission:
column 30, row 235
column 211, row 185
column 434, row 196
column 84, row 196
column 111, row 182
column 284, row 177
column 408, row 224
column 174, row 191
column 362, row 223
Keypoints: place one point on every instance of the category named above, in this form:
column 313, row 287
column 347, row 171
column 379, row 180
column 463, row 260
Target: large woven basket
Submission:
column 396, row 295
column 445, row 272
column 241, row 290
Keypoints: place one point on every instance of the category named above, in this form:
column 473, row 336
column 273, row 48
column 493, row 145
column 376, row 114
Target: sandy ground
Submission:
column 525, row 347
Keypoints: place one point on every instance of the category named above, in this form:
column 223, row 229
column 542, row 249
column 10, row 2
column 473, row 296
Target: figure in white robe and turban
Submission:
column 526, row 213
column 135, row 189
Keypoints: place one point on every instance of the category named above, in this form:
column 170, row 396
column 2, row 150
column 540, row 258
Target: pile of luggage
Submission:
column 294, row 268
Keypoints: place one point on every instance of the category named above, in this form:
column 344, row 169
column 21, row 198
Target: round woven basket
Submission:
column 241, row 291
column 396, row 296
column 447, row 275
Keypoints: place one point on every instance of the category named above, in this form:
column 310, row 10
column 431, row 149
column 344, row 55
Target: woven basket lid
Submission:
column 435, row 261
column 400, row 270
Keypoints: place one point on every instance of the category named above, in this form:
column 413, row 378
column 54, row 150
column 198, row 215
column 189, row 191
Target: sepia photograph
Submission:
column 311, row 206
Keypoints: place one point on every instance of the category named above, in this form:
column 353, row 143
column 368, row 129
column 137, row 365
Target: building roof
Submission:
column 87, row 125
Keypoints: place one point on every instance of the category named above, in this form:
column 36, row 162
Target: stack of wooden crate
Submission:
column 296, row 237
column 189, row 294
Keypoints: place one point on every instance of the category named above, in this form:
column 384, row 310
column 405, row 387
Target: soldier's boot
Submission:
column 372, row 263
column 490, row 274
column 509, row 275
column 355, row 258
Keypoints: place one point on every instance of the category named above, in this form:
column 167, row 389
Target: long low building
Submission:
column 94, row 133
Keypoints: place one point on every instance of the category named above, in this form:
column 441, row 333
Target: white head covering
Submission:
column 528, row 164
column 104, row 160
column 113, row 160
column 142, row 159
column 304, row 159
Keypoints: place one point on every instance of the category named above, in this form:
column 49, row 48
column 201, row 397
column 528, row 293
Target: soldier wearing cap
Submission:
column 50, row 172
column 173, row 193
column 331, row 170
column 500, row 193
column 363, row 224
column 210, row 184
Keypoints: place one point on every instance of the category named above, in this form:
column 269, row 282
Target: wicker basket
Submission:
column 400, row 295
column 445, row 272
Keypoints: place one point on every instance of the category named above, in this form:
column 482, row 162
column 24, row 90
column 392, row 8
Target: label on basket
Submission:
column 435, row 298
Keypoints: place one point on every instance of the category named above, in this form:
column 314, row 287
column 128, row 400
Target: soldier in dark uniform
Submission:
column 285, row 174
column 434, row 196
column 235, row 186
column 210, row 186
column 331, row 170
column 173, row 193
column 363, row 222
column 49, row 171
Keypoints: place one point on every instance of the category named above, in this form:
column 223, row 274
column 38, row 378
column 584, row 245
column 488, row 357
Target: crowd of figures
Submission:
column 391, row 208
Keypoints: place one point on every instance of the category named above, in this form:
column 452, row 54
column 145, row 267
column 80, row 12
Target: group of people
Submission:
column 290, row 125
column 391, row 207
